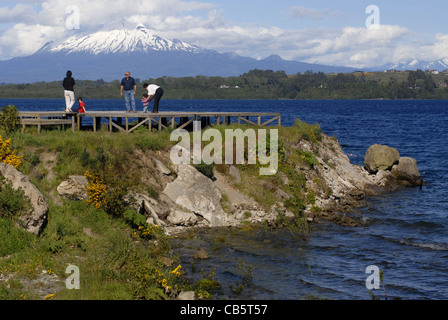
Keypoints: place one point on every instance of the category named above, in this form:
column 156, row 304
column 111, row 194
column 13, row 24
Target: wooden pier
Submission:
column 46, row 118
column 121, row 121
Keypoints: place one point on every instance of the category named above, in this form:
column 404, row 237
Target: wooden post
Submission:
column 195, row 124
column 173, row 123
column 94, row 124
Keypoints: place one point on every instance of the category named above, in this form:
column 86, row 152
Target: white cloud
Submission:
column 437, row 50
column 24, row 38
column 356, row 47
column 20, row 12
column 44, row 21
column 203, row 24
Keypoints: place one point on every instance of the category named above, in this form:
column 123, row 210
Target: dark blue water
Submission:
column 407, row 232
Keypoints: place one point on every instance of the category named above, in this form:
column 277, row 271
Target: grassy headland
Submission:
column 119, row 254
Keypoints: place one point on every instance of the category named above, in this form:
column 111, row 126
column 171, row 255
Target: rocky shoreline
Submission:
column 189, row 199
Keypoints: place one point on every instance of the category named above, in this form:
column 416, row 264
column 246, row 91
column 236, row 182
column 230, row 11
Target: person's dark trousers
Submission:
column 157, row 96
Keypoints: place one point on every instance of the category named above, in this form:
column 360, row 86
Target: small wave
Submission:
column 420, row 224
column 431, row 246
column 409, row 242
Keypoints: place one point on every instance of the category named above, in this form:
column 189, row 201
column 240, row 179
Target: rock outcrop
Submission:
column 195, row 192
column 379, row 157
column 406, row 172
column 403, row 172
column 338, row 185
column 193, row 200
column 187, row 198
column 35, row 220
column 74, row 188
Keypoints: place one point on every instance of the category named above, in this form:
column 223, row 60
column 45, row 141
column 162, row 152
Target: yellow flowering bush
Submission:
column 163, row 280
column 8, row 156
column 147, row 232
column 177, row 271
column 96, row 190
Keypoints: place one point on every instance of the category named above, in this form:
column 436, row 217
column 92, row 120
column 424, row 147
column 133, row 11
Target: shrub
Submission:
column 8, row 156
column 148, row 232
column 96, row 190
column 134, row 219
column 107, row 194
column 9, row 119
column 205, row 169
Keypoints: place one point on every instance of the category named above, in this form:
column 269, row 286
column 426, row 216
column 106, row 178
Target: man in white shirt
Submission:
column 154, row 93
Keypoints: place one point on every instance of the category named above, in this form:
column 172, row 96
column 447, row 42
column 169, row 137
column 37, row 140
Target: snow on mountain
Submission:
column 119, row 40
column 107, row 53
column 439, row 65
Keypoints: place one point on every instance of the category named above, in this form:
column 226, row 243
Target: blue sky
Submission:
column 420, row 16
column 321, row 31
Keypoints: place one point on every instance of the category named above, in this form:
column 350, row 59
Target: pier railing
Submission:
column 130, row 121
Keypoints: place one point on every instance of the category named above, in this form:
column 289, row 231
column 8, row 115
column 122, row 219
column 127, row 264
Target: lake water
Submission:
column 406, row 235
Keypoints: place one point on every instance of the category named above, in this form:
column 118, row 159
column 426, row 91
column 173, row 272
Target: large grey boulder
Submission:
column 182, row 218
column 379, row 157
column 74, row 188
column 406, row 172
column 35, row 220
column 195, row 192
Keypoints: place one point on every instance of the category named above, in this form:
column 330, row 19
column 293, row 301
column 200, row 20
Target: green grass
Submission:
column 81, row 150
column 13, row 239
column 112, row 262
column 301, row 130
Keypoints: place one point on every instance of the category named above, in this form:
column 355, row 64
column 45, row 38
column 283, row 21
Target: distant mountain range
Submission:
column 108, row 53
column 439, row 65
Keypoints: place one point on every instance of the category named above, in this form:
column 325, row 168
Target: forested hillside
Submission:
column 260, row 84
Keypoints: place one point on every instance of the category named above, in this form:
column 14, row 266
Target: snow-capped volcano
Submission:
column 107, row 53
column 118, row 40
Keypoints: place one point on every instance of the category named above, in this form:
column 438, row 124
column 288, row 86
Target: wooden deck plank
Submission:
column 45, row 121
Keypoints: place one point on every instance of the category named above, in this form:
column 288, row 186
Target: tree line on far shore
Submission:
column 259, row 84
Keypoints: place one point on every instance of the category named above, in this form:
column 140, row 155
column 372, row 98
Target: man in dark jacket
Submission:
column 129, row 89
